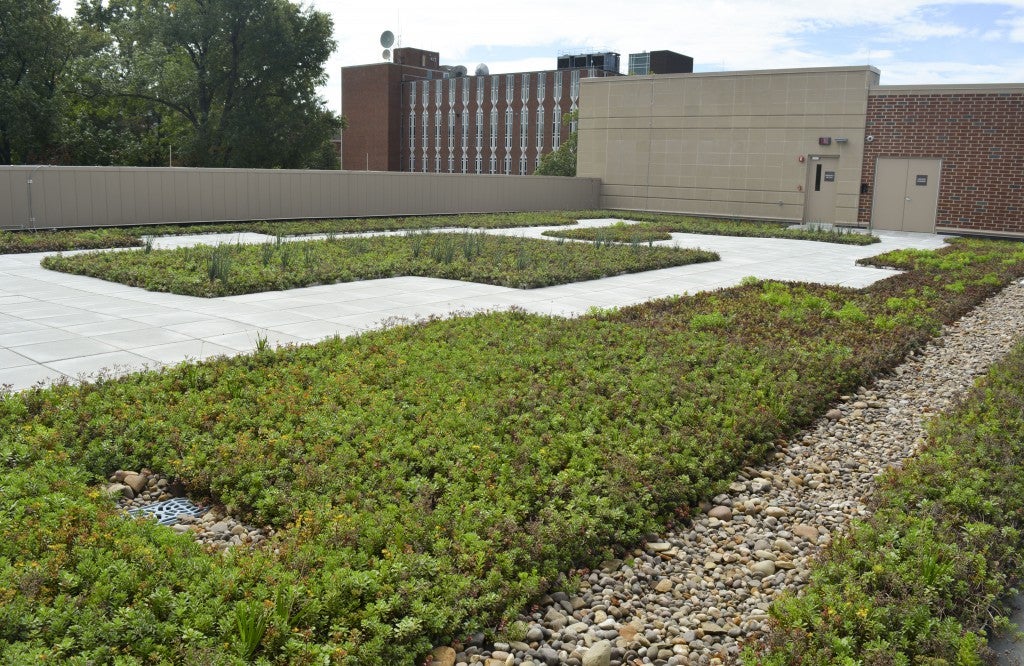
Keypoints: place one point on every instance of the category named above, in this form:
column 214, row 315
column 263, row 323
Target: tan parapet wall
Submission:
column 724, row 143
column 66, row 197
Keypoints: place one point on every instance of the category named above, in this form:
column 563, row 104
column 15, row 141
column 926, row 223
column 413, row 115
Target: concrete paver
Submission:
column 55, row 326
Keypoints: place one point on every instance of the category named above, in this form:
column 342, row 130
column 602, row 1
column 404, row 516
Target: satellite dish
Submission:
column 386, row 54
column 482, row 70
column 387, row 39
column 459, row 70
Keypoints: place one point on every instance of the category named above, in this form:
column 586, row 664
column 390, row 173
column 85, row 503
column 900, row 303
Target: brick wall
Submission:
column 978, row 135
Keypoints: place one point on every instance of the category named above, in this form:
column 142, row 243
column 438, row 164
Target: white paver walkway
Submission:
column 54, row 325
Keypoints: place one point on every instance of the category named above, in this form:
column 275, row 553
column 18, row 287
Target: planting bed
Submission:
column 927, row 576
column 655, row 225
column 88, row 239
column 475, row 256
column 424, row 481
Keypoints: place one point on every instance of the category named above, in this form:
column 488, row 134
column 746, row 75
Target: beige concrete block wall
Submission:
column 63, row 197
column 723, row 143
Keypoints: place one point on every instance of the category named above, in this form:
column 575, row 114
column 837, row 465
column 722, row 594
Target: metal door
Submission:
column 820, row 200
column 906, row 194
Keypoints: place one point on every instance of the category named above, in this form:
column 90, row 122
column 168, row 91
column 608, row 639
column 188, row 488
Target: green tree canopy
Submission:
column 228, row 83
column 561, row 162
column 37, row 46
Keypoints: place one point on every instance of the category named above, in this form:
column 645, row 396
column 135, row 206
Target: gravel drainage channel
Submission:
column 695, row 595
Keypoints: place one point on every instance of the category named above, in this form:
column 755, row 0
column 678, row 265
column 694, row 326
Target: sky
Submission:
column 910, row 41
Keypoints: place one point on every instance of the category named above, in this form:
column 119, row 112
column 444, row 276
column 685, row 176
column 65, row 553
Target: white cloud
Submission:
column 1015, row 28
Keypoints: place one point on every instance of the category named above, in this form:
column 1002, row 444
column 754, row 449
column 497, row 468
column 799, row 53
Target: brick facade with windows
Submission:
column 415, row 115
column 493, row 124
column 977, row 132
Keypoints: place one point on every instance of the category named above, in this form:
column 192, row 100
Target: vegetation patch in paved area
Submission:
column 228, row 269
column 12, row 242
column 427, row 480
column 650, row 224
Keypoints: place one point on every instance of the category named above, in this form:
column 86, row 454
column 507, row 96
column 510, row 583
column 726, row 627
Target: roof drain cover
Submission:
column 166, row 513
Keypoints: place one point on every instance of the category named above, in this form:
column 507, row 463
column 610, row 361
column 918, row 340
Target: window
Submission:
column 480, row 89
column 437, row 128
column 522, row 165
column 558, row 86
column 465, row 131
column 494, row 89
column 426, row 128
column 574, row 85
column 437, row 163
column 556, row 127
column 540, row 128
column 639, row 63
column 524, row 130
column 508, row 128
column 541, row 82
column 438, row 88
column 412, row 95
column 524, row 91
column 451, row 130
column 508, row 164
column 479, row 129
column 494, row 163
column 412, row 129
column 465, row 92
column 451, row 163
column 465, row 164
column 509, row 84
column 426, row 94
column 494, row 129
column 479, row 163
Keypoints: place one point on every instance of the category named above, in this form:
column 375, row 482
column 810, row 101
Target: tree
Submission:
column 561, row 162
column 232, row 83
column 37, row 46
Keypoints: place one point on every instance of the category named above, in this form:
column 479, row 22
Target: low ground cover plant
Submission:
column 474, row 256
column 18, row 242
column 89, row 239
column 924, row 578
column 663, row 223
column 12, row 242
column 620, row 232
column 426, row 480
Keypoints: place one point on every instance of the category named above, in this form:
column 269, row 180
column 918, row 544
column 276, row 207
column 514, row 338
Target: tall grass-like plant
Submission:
column 472, row 244
column 443, row 250
column 267, row 251
column 218, row 265
column 415, row 243
column 252, row 619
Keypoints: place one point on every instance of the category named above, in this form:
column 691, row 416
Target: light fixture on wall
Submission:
column 841, row 139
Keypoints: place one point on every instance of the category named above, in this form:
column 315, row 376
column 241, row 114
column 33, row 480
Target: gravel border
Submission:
column 695, row 595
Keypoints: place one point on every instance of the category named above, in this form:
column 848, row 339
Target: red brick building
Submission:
column 415, row 115
column 973, row 136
